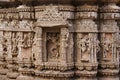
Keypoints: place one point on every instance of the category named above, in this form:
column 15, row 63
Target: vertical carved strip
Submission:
column 87, row 42
column 37, row 50
column 64, row 44
column 109, row 63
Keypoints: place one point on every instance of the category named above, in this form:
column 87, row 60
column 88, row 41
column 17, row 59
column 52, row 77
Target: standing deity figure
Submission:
column 107, row 49
column 85, row 48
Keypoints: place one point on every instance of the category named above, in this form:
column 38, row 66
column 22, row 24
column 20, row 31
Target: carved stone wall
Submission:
column 78, row 41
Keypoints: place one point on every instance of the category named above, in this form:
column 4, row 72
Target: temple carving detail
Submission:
column 59, row 39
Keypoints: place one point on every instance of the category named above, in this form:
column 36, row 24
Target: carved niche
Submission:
column 52, row 45
column 88, row 46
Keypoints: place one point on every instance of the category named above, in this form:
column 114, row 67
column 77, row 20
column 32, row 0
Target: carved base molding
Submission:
column 108, row 78
column 55, row 66
column 55, row 74
column 86, row 73
column 86, row 78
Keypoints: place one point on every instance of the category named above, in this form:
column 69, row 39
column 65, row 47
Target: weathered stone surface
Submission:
column 72, row 40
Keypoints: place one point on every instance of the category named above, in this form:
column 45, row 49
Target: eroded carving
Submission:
column 53, row 45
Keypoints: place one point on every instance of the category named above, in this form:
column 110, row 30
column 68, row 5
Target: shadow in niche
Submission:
column 53, row 46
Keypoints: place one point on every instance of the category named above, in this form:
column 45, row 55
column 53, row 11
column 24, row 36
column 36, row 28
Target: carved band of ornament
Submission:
column 112, row 16
column 87, row 67
column 86, row 15
column 87, row 8
column 108, row 65
column 58, row 66
column 12, row 15
column 110, row 8
column 15, row 30
column 57, row 74
column 12, row 10
column 26, row 15
column 2, row 16
column 39, row 8
column 66, row 8
column 87, row 0
column 3, row 11
column 109, row 72
column 26, row 9
column 60, row 8
column 86, row 73
column 109, row 1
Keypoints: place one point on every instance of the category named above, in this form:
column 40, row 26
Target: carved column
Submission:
column 87, row 43
column 37, row 47
column 109, row 60
column 25, row 42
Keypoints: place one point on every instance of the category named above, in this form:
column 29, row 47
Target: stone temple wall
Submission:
column 60, row 42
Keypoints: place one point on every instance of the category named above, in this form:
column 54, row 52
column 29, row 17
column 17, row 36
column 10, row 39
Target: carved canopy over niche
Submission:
column 49, row 16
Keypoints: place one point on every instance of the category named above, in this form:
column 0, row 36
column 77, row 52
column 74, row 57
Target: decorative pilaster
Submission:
column 87, row 43
column 25, row 42
column 109, row 57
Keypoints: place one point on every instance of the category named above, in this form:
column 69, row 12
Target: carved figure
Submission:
column 85, row 47
column 53, row 45
column 14, row 43
column 107, row 48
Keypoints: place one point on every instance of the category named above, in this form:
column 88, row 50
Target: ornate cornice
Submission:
column 110, row 11
column 87, row 8
column 86, row 12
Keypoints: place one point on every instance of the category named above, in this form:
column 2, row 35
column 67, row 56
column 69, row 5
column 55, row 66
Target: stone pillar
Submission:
column 37, row 47
column 87, row 43
column 109, row 57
